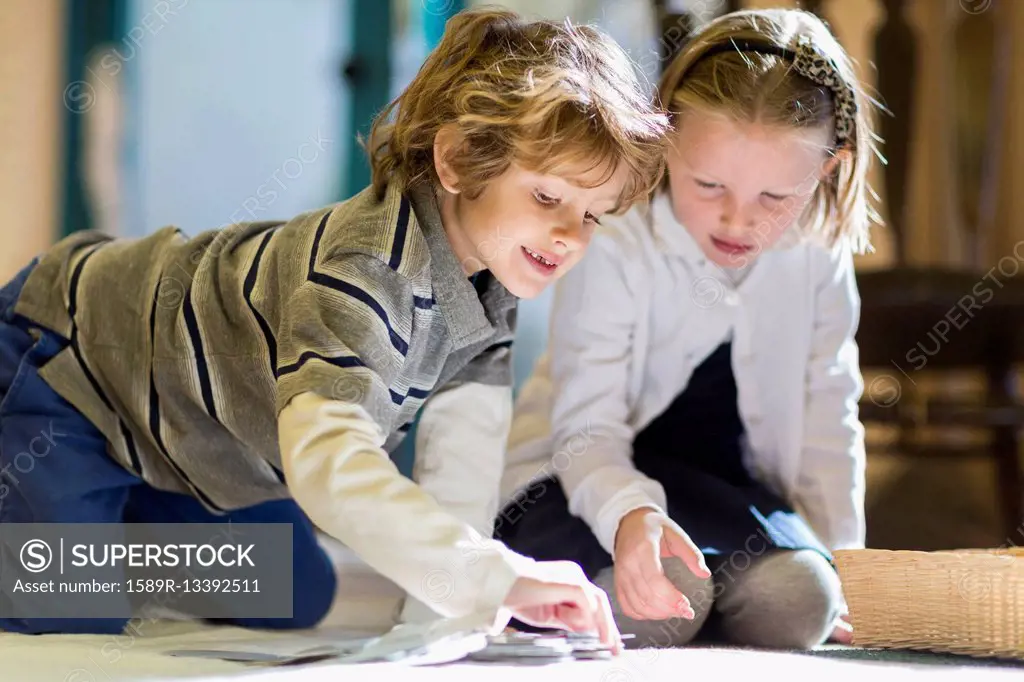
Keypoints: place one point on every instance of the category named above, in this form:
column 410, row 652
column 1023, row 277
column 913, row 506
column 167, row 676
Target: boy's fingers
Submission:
column 595, row 617
column 606, row 628
column 577, row 598
column 558, row 600
column 571, row 617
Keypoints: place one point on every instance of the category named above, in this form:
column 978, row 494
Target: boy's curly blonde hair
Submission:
column 550, row 97
column 755, row 87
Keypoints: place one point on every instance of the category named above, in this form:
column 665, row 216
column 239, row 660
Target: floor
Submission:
column 144, row 656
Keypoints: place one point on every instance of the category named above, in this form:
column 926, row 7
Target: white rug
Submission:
column 65, row 658
column 366, row 605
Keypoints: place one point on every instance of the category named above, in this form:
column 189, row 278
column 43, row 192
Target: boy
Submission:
column 261, row 373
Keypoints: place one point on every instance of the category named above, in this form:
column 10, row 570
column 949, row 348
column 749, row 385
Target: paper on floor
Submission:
column 412, row 643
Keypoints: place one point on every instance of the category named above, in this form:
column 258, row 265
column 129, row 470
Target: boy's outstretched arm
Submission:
column 341, row 477
column 344, row 338
column 351, row 489
column 460, row 446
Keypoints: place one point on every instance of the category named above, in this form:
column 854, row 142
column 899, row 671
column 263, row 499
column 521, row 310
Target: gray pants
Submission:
column 783, row 599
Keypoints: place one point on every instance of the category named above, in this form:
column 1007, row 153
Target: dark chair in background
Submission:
column 933, row 320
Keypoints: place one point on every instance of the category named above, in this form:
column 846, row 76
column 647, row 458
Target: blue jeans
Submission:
column 54, row 468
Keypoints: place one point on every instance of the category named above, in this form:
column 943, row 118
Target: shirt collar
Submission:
column 471, row 317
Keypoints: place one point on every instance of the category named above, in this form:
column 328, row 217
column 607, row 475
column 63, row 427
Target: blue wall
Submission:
column 236, row 111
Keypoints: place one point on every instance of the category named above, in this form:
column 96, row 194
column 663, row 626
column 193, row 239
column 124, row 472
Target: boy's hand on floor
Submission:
column 561, row 597
column 644, row 592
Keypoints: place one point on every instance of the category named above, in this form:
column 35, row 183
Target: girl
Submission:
column 262, row 373
column 691, row 436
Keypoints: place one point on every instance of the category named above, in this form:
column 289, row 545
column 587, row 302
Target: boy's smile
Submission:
column 545, row 263
column 528, row 229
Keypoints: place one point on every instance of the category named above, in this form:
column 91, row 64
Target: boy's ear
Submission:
column 446, row 142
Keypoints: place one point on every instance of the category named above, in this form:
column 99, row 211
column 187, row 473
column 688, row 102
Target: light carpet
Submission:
column 88, row 658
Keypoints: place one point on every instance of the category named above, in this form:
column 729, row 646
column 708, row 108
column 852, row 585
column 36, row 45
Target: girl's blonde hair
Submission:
column 551, row 97
column 751, row 86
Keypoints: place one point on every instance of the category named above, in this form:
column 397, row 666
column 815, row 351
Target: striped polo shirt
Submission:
column 183, row 351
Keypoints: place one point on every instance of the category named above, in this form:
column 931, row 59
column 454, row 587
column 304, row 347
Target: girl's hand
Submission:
column 643, row 590
column 560, row 596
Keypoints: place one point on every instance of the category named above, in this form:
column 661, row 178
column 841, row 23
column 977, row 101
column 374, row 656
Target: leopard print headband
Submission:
column 811, row 65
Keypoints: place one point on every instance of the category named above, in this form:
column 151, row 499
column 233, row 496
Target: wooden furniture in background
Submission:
column 926, row 319
column 895, row 48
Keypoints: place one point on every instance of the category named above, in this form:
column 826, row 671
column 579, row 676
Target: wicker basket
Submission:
column 967, row 602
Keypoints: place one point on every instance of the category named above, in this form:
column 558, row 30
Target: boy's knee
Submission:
column 670, row 632
column 306, row 615
column 314, row 590
column 311, row 612
column 787, row 600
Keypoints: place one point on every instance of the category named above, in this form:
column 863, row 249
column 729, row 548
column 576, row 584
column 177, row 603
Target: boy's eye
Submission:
column 773, row 197
column 548, row 200
column 707, row 185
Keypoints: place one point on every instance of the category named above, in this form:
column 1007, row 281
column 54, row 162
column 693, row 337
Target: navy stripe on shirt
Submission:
column 76, row 350
column 397, row 398
column 401, row 230
column 72, row 312
column 400, row 344
column 202, row 368
column 250, row 283
column 342, row 361
column 154, row 420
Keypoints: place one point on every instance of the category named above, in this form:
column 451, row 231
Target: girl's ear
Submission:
column 446, row 142
column 828, row 168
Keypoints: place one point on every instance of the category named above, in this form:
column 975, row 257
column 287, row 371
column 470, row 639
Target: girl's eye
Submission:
column 591, row 218
column 773, row 197
column 707, row 185
column 544, row 198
